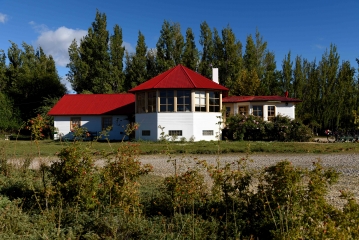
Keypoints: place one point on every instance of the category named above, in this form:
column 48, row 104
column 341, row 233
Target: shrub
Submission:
column 281, row 128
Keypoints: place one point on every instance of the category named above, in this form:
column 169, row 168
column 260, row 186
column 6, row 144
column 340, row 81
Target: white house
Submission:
column 266, row 107
column 180, row 101
column 95, row 112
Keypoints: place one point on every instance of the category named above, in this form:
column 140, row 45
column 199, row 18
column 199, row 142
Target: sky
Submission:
column 306, row 28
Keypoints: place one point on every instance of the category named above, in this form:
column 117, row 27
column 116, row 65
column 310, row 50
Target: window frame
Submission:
column 244, row 113
column 140, row 102
column 167, row 101
column 177, row 133
column 152, row 101
column 184, row 100
column 200, row 96
column 73, row 125
column 271, row 112
column 146, row 133
column 255, row 111
column 207, row 132
column 214, row 104
column 228, row 111
column 103, row 122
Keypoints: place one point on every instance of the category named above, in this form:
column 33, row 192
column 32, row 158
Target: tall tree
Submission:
column 136, row 71
column 232, row 61
column 269, row 84
column 117, row 52
column 3, row 78
column 90, row 66
column 151, row 63
column 287, row 74
column 190, row 53
column 206, row 41
column 32, row 78
column 169, row 46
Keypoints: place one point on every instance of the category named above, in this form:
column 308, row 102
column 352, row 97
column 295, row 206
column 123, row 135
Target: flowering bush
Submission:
column 281, row 128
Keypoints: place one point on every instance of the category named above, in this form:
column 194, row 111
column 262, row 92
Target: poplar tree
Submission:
column 96, row 64
column 206, row 55
column 190, row 52
column 287, row 74
column 232, row 59
column 116, row 61
column 169, row 47
column 3, row 78
column 136, row 71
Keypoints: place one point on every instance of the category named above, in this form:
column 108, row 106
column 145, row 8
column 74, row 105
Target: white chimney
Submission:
column 215, row 75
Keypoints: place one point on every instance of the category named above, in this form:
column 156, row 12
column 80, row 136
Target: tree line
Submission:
column 99, row 63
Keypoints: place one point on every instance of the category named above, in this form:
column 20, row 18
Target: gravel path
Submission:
column 346, row 164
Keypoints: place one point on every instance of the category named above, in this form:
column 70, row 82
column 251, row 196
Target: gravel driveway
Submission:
column 346, row 164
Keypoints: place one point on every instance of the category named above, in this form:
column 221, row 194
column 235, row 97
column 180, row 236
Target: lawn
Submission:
column 48, row 148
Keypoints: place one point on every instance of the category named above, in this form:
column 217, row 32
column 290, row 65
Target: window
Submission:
column 75, row 122
column 106, row 122
column 140, row 102
column 200, row 101
column 146, row 133
column 271, row 113
column 166, row 101
column 175, row 132
column 152, row 101
column 207, row 132
column 183, row 101
column 228, row 111
column 258, row 111
column 243, row 110
column 213, row 101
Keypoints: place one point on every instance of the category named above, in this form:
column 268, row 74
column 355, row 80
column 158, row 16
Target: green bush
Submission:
column 253, row 128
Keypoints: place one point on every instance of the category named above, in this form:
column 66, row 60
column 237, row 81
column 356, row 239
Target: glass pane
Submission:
column 163, row 108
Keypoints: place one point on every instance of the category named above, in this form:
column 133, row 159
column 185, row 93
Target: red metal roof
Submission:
column 179, row 77
column 234, row 99
column 94, row 104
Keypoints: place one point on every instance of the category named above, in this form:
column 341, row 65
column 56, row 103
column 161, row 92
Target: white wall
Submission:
column 147, row 122
column 191, row 124
column 92, row 124
column 281, row 108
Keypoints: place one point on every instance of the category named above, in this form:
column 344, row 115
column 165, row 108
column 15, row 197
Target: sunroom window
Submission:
column 183, row 100
column 166, row 101
column 200, row 101
column 213, row 101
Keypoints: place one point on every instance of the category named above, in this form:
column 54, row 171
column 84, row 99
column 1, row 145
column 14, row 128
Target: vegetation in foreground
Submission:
column 75, row 199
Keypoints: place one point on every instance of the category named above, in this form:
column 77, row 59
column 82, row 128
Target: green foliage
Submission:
column 281, row 128
column 9, row 115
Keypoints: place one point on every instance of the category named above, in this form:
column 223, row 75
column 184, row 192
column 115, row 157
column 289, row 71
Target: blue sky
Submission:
column 305, row 27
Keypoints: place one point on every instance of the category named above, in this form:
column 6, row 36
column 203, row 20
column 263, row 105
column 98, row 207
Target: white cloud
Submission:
column 3, row 18
column 56, row 43
column 67, row 85
column 128, row 47
column 318, row 46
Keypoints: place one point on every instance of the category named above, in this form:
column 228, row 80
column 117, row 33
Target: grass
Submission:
column 49, row 148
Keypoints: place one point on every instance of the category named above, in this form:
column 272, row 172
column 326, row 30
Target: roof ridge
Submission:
column 189, row 78
column 169, row 71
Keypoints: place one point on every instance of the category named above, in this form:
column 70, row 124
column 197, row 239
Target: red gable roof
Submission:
column 234, row 99
column 177, row 78
column 94, row 104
